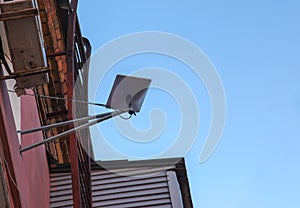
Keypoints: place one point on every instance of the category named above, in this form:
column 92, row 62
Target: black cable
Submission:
column 126, row 118
column 60, row 98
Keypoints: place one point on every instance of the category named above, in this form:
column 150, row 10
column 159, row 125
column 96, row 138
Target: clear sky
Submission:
column 255, row 48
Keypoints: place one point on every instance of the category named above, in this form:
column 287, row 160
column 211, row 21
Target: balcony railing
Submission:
column 67, row 55
column 77, row 55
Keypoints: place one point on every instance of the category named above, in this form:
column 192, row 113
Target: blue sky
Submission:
column 254, row 46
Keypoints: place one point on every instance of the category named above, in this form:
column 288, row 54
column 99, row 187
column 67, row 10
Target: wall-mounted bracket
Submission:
column 25, row 44
column 25, row 73
column 29, row 12
column 97, row 119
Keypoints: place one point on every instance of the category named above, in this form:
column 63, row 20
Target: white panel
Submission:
column 128, row 182
column 174, row 190
column 138, row 172
column 142, row 187
column 113, row 178
column 154, row 203
column 133, row 188
column 128, row 91
column 127, row 197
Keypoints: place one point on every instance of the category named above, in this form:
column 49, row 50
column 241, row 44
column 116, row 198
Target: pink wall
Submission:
column 31, row 168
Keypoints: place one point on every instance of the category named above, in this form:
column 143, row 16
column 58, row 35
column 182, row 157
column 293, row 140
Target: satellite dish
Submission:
column 128, row 92
column 127, row 95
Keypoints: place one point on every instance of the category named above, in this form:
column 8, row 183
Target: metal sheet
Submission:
column 131, row 184
column 128, row 187
column 25, row 44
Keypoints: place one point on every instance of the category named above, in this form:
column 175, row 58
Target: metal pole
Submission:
column 78, row 128
column 64, row 123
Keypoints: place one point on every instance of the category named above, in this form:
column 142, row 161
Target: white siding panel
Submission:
column 130, row 187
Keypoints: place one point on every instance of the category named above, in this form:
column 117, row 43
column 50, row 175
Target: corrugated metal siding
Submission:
column 61, row 190
column 136, row 187
column 131, row 187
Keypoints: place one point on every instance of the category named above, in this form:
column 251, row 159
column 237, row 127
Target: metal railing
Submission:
column 78, row 50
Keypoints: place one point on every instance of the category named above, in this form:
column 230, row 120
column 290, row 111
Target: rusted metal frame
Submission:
column 81, row 169
column 88, row 47
column 77, row 63
column 89, row 176
column 84, row 49
column 84, row 53
column 86, row 196
column 4, row 139
column 51, row 55
column 79, row 59
column 80, row 42
column 57, row 114
column 84, row 169
column 88, row 51
column 29, row 12
column 85, row 177
column 24, row 73
column 88, row 163
column 85, row 71
column 41, row 105
column 70, row 87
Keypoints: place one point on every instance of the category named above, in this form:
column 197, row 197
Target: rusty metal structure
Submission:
column 50, row 27
column 67, row 52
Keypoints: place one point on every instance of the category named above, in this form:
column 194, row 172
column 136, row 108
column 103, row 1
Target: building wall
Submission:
column 27, row 174
column 132, row 187
column 53, row 111
column 31, row 168
column 119, row 184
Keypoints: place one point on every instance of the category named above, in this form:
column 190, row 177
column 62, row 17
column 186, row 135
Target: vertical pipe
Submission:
column 70, row 87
